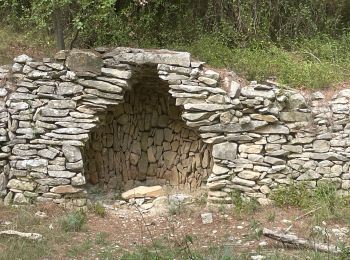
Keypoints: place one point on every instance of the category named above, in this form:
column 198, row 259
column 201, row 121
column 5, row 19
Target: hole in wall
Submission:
column 144, row 141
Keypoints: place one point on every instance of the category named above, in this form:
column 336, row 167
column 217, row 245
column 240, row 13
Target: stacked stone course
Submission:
column 56, row 115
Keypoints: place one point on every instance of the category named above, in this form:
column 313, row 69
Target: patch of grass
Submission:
column 15, row 248
column 271, row 216
column 73, row 221
column 160, row 251
column 14, row 43
column 323, row 199
column 98, row 209
column 80, row 249
column 312, row 63
column 295, row 195
column 243, row 205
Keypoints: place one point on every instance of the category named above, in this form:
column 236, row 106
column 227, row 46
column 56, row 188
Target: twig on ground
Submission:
column 300, row 242
column 308, row 213
column 302, row 216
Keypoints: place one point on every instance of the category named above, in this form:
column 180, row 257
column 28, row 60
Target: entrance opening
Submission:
column 144, row 141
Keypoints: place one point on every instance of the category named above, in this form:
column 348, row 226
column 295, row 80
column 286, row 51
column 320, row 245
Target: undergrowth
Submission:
column 73, row 221
column 312, row 63
column 323, row 200
column 243, row 205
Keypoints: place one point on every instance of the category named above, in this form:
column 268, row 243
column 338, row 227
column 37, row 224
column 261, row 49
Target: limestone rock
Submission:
column 273, row 129
column 182, row 59
column 21, row 185
column 122, row 74
column 68, row 88
column 101, row 85
column 81, row 61
column 249, row 175
column 252, row 92
column 72, row 153
column 22, row 58
column 207, row 218
column 267, row 118
column 65, row 189
column 225, row 151
column 78, row 180
column 295, row 116
column 321, row 146
column 20, row 199
column 143, row 191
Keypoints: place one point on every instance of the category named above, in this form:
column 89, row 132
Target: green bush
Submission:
column 73, row 221
column 296, row 195
column 161, row 23
column 98, row 209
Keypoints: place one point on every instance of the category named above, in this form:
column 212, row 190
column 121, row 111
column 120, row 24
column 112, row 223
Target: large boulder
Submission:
column 84, row 62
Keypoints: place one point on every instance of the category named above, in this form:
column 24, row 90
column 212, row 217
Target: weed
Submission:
column 98, row 209
column 296, row 195
column 14, row 248
column 243, row 205
column 201, row 200
column 80, row 249
column 323, row 199
column 101, row 238
column 256, row 230
column 271, row 216
column 73, row 221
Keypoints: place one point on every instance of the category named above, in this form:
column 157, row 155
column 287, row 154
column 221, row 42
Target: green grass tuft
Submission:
column 73, row 221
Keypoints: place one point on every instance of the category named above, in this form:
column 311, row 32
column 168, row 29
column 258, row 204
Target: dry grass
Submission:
column 13, row 44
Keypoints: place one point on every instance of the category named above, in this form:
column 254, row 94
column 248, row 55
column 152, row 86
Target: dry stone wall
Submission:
column 56, row 113
column 145, row 142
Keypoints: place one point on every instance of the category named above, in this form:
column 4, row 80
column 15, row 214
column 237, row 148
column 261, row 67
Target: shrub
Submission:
column 73, row 221
column 296, row 195
column 98, row 209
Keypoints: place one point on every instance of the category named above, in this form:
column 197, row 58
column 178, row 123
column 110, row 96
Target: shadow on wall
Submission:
column 144, row 141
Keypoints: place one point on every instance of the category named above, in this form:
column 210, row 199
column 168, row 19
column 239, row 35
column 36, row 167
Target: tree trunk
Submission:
column 58, row 24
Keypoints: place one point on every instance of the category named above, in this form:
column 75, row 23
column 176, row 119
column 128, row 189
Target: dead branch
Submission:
column 308, row 213
column 300, row 242
column 31, row 236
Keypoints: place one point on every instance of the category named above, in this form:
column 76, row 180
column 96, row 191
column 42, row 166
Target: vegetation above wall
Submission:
column 301, row 43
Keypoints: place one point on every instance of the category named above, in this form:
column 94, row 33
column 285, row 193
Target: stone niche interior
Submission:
column 144, row 141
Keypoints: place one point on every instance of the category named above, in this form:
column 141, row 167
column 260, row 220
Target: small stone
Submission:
column 207, row 218
column 321, row 146
column 22, row 58
column 72, row 153
column 64, row 189
column 249, row 175
column 20, row 199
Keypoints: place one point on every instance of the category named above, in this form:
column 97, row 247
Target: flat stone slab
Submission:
column 143, row 191
column 139, row 56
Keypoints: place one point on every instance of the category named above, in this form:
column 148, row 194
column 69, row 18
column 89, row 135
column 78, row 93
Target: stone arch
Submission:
column 144, row 140
column 56, row 105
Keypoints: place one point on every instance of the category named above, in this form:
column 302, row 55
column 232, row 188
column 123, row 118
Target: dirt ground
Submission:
column 126, row 229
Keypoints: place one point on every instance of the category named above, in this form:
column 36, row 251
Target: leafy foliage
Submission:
column 160, row 22
column 301, row 42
